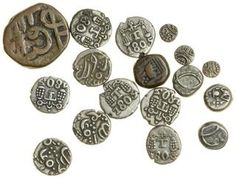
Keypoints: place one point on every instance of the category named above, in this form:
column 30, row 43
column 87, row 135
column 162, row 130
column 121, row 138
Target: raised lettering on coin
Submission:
column 168, row 32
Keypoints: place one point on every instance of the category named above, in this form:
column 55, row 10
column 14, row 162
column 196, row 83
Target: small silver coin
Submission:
column 187, row 80
column 160, row 106
column 90, row 28
column 211, row 69
column 218, row 97
column 120, row 99
column 52, row 156
column 163, row 144
column 184, row 55
column 50, row 94
column 168, row 32
column 91, row 127
column 92, row 68
column 135, row 36
column 213, row 135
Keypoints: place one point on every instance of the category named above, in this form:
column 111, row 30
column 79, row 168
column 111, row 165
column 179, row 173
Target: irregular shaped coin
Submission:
column 168, row 32
column 211, row 69
column 184, row 55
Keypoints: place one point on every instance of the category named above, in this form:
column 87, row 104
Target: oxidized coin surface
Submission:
column 91, row 127
column 92, row 67
column 160, row 106
column 184, row 55
column 90, row 28
column 187, row 80
column 50, row 94
column 168, row 32
column 218, row 97
column 135, row 36
column 52, row 156
column 211, row 69
column 120, row 99
column 213, row 135
column 36, row 36
column 163, row 144
column 151, row 71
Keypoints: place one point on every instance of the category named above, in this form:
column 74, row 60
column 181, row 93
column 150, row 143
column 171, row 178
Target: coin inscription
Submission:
column 168, row 32
column 211, row 69
column 184, row 55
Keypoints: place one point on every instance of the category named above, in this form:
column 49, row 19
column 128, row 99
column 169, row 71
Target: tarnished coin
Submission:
column 120, row 99
column 187, row 80
column 151, row 71
column 160, row 106
column 211, row 69
column 36, row 36
column 168, row 32
column 135, row 36
column 90, row 28
column 50, row 94
column 218, row 97
column 184, row 55
column 163, row 144
column 213, row 135
column 52, row 156
column 91, row 127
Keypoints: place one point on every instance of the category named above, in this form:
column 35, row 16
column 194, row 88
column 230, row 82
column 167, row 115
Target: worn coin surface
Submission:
column 184, row 55
column 120, row 99
column 50, row 94
column 151, row 71
column 213, row 135
column 168, row 32
column 187, row 80
column 36, row 36
column 90, row 28
column 160, row 106
column 92, row 67
column 91, row 127
column 211, row 69
column 135, row 36
column 52, row 156
column 163, row 144
column 218, row 97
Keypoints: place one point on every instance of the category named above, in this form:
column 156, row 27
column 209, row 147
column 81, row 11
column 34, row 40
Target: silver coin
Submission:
column 120, row 99
column 184, row 55
column 213, row 135
column 168, row 32
column 211, row 69
column 50, row 94
column 187, row 80
column 135, row 36
column 163, row 144
column 90, row 28
column 92, row 67
column 52, row 156
column 218, row 97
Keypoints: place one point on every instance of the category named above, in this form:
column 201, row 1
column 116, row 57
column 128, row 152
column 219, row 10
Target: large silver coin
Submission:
column 211, row 69
column 120, row 99
column 52, row 156
column 135, row 36
column 184, row 55
column 50, row 94
column 92, row 67
column 168, row 32
column 163, row 144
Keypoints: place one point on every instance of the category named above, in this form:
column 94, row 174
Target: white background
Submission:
column 208, row 26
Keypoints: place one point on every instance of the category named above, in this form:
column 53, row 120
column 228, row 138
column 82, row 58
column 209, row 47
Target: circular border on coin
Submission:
column 168, row 32
column 211, row 69
column 184, row 55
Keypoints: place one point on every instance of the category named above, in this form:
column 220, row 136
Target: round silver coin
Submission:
column 218, row 97
column 50, row 94
column 163, row 144
column 184, row 55
column 91, row 127
column 168, row 32
column 52, row 156
column 90, row 28
column 120, row 99
column 160, row 106
column 135, row 36
column 213, row 135
column 92, row 67
column 187, row 80
column 211, row 69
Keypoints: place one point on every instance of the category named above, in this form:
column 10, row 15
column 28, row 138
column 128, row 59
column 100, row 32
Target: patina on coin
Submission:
column 52, row 156
column 168, row 32
column 120, row 99
column 163, row 144
column 211, row 69
column 184, row 55
column 218, row 97
column 91, row 127
column 90, row 28
column 151, row 71
column 135, row 36
column 36, row 36
column 92, row 67
column 50, row 94
column 213, row 135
